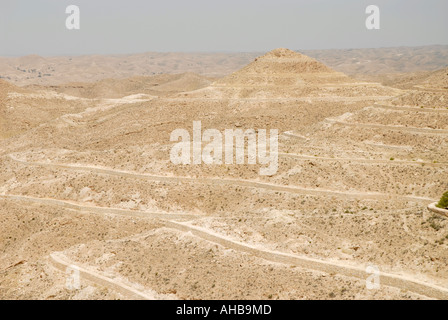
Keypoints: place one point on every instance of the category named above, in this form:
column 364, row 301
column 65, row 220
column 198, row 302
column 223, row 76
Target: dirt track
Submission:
column 364, row 160
column 60, row 262
column 101, row 210
column 405, row 108
column 233, row 182
column 394, row 128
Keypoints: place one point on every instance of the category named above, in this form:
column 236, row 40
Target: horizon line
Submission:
column 208, row 52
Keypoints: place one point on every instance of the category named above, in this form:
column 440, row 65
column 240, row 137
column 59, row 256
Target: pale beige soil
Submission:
column 86, row 180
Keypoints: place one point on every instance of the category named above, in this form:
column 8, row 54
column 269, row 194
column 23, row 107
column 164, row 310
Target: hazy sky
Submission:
column 132, row 26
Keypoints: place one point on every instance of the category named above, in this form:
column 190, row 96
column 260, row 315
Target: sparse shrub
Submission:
column 443, row 203
column 392, row 159
column 434, row 222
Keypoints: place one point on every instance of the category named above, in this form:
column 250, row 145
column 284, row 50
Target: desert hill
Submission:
column 285, row 74
column 281, row 67
column 158, row 85
column 6, row 87
column 281, row 61
column 5, row 122
column 377, row 61
column 423, row 88
column 429, row 79
column 437, row 80
column 22, row 109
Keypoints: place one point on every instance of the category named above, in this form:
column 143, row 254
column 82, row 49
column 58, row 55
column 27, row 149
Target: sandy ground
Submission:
column 86, row 184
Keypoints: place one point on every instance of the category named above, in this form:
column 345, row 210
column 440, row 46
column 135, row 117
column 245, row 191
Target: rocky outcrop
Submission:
column 433, row 207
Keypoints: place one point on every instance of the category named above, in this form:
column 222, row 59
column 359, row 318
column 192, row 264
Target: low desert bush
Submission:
column 443, row 203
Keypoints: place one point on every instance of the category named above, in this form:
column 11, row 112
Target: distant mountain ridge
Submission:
column 384, row 60
column 34, row 69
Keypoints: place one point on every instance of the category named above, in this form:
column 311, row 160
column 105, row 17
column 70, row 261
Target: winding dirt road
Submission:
column 101, row 210
column 364, row 160
column 405, row 108
column 232, row 182
column 393, row 128
column 60, row 262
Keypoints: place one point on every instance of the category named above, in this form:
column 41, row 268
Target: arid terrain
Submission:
column 65, row 70
column 86, row 180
